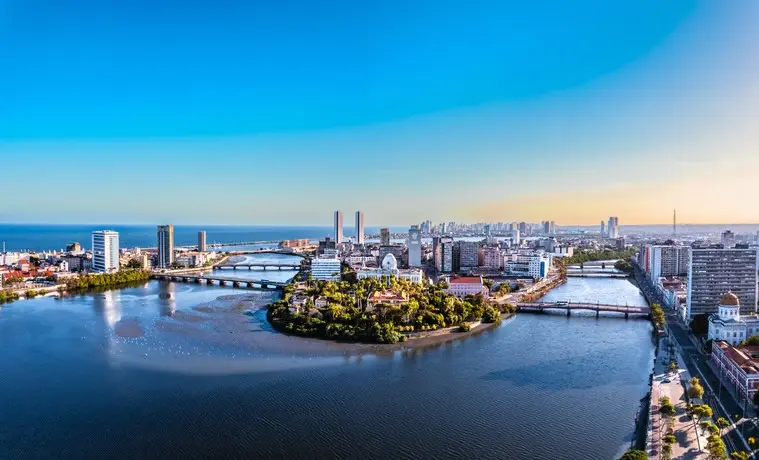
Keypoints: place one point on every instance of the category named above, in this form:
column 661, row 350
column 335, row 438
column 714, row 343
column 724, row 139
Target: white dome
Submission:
column 389, row 263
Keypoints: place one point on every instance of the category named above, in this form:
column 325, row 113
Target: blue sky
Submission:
column 279, row 112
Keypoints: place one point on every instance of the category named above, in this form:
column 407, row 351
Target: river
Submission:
column 168, row 370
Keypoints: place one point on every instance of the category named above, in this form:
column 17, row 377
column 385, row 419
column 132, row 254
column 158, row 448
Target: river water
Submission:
column 167, row 370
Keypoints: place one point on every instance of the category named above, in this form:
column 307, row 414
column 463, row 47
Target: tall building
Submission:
column 546, row 227
column 552, row 228
column 492, row 258
column 487, row 230
column 468, row 255
column 613, row 228
column 105, row 251
column 359, row 227
column 414, row 247
column 442, row 250
column 714, row 271
column 202, row 241
column 523, row 228
column 325, row 269
column 603, row 228
column 325, row 245
column 165, row 246
column 728, row 239
column 338, row 227
column 384, row 237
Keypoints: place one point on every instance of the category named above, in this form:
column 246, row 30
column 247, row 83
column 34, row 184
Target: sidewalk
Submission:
column 689, row 440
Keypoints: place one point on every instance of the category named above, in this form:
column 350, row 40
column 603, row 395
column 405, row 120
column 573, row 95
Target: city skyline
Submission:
column 642, row 109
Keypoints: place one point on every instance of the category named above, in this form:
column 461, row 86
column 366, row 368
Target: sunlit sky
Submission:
column 244, row 112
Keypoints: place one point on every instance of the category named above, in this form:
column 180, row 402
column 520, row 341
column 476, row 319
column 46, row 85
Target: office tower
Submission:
column 414, row 247
column 468, row 255
column 487, row 230
column 338, row 227
column 603, row 228
column 728, row 239
column 523, row 228
column 359, row 235
column 442, row 228
column 546, row 227
column 165, row 246
column 714, row 271
column 202, row 241
column 552, row 228
column 613, row 227
column 442, row 250
column 105, row 251
column 384, row 237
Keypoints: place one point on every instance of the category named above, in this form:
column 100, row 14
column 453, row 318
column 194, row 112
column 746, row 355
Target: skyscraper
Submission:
column 728, row 239
column 359, row 227
column 384, row 237
column 165, row 246
column 712, row 272
column 613, row 227
column 105, row 251
column 338, row 227
column 202, row 241
column 603, row 228
column 414, row 247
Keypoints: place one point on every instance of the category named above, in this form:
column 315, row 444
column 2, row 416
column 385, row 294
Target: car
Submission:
column 666, row 381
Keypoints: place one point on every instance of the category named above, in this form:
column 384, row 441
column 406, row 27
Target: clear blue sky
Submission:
column 106, row 106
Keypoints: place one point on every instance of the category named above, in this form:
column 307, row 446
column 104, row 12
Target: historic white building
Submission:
column 389, row 268
column 728, row 324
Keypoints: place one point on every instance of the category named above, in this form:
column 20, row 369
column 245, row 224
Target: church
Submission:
column 729, row 325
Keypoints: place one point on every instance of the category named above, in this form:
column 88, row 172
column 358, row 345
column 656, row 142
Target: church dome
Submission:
column 389, row 263
column 730, row 299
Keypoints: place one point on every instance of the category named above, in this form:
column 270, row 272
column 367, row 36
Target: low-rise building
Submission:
column 388, row 269
column 387, row 296
column 737, row 367
column 466, row 285
column 729, row 325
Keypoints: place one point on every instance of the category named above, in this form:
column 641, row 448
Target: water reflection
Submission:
column 167, row 299
column 107, row 306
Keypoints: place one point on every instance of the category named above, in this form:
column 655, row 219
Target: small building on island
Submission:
column 388, row 297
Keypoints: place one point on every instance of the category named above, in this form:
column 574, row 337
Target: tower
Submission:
column 338, row 227
column 165, row 246
column 674, row 224
column 359, row 227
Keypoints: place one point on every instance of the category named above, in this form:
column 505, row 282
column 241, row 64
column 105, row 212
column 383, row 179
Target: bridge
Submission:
column 569, row 307
column 251, row 266
column 222, row 281
column 597, row 275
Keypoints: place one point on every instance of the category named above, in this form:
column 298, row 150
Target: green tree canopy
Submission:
column 634, row 455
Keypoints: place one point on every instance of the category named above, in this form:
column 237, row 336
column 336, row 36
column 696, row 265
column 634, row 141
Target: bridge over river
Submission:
column 569, row 307
column 222, row 281
column 262, row 265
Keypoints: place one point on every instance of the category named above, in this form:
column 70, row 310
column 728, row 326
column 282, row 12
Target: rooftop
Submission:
column 466, row 280
column 746, row 357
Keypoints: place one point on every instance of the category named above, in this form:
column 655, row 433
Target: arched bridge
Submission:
column 262, row 265
column 592, row 307
column 222, row 281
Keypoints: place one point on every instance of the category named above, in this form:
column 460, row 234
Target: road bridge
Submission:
column 223, row 281
column 569, row 307
column 263, row 265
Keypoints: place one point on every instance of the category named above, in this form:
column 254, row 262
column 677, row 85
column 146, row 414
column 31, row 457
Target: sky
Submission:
column 247, row 112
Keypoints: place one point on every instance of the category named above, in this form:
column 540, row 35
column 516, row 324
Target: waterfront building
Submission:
column 532, row 264
column 728, row 239
column 325, row 269
column 384, row 237
column 492, row 258
column 729, row 325
column 662, row 261
column 737, row 367
column 294, row 243
column 359, row 227
column 468, row 255
column 466, row 285
column 389, row 268
column 338, row 227
column 714, row 271
column 202, row 241
column 414, row 246
column 165, row 246
column 105, row 251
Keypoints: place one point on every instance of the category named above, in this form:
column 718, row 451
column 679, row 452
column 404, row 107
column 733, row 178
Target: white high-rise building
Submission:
column 165, row 246
column 359, row 227
column 105, row 251
column 325, row 269
column 414, row 246
column 338, row 227
column 613, row 228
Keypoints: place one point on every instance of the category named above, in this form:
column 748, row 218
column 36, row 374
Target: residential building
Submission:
column 603, row 228
column 338, row 227
column 442, row 253
column 202, row 241
column 326, row 269
column 492, row 258
column 613, row 228
column 714, row 271
column 294, row 243
column 466, row 285
column 532, row 264
column 389, row 268
column 737, row 368
column 468, row 252
column 414, row 247
column 384, row 237
column 165, row 246
column 728, row 239
column 563, row 251
column 729, row 325
column 105, row 251
column 359, row 227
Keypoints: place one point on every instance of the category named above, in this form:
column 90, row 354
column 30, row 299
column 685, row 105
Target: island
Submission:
column 378, row 311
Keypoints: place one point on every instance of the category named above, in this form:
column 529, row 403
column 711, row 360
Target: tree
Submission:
column 134, row 264
column 702, row 411
column 634, row 455
column 695, row 390
column 488, row 283
column 751, row 341
column 742, row 455
column 752, row 441
column 716, row 448
column 666, row 407
column 669, row 439
column 672, row 367
column 657, row 315
column 722, row 423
